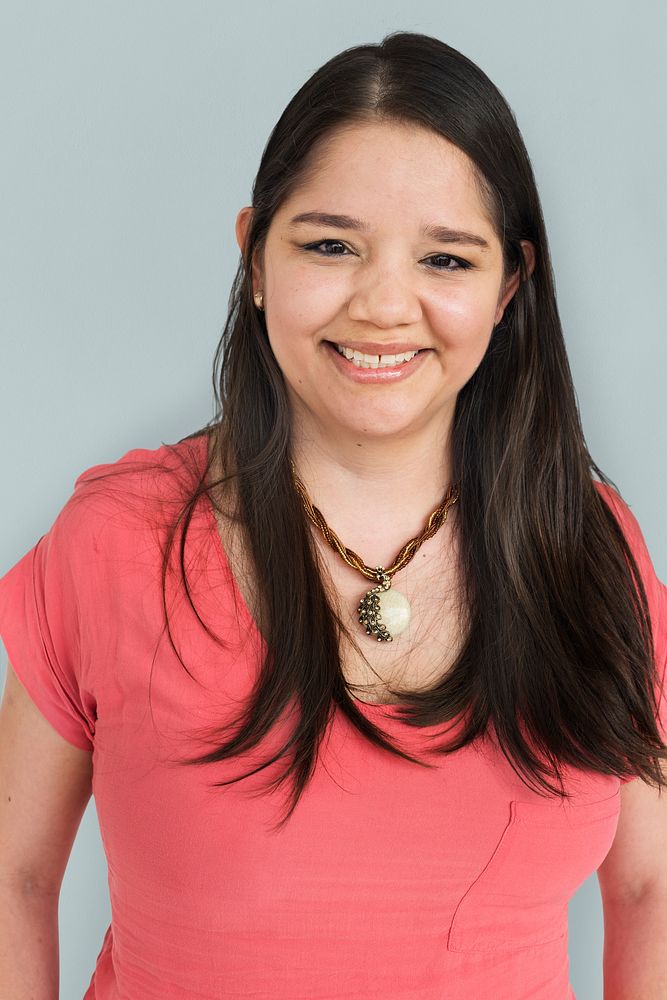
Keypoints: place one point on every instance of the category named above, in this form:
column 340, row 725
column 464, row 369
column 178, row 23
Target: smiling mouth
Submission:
column 376, row 361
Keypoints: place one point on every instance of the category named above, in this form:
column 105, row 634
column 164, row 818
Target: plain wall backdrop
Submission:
column 132, row 132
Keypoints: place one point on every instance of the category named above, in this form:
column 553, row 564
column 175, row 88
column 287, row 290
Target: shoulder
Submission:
column 656, row 592
column 627, row 523
column 115, row 506
column 164, row 468
column 159, row 474
column 626, row 519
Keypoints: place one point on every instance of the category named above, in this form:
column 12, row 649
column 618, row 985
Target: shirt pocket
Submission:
column 545, row 852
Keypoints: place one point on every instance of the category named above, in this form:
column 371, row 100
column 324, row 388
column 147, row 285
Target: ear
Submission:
column 243, row 220
column 512, row 284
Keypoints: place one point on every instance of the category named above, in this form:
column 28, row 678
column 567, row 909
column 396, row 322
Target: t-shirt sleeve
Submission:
column 656, row 596
column 42, row 605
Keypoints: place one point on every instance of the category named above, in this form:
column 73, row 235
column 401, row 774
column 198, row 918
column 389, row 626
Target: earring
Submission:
column 259, row 300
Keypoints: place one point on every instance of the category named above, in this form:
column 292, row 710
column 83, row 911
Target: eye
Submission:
column 448, row 263
column 335, row 248
column 329, row 244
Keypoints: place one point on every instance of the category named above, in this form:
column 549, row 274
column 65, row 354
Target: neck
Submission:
column 391, row 485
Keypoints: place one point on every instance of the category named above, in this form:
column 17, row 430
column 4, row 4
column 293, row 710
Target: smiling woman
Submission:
column 337, row 320
column 394, row 403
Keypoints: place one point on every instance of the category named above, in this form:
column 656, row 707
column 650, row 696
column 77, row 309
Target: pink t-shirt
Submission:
column 390, row 881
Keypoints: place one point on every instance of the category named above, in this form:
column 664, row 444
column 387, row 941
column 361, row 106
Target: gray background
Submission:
column 131, row 135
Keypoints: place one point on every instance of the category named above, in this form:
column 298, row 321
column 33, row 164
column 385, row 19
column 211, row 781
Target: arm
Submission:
column 635, row 948
column 633, row 876
column 633, row 885
column 45, row 784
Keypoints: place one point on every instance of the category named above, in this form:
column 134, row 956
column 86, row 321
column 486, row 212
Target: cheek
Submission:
column 299, row 308
column 302, row 299
column 464, row 322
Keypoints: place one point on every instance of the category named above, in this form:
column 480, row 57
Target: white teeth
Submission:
column 360, row 360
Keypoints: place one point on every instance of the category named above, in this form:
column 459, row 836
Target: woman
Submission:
column 397, row 591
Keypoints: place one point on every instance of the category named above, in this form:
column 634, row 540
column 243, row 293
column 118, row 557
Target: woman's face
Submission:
column 397, row 256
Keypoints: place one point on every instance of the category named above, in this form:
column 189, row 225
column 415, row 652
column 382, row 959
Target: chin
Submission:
column 376, row 427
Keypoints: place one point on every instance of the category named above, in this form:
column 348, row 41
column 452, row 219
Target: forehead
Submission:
column 370, row 167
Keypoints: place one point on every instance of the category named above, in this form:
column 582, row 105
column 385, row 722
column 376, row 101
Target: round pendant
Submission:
column 383, row 612
column 395, row 611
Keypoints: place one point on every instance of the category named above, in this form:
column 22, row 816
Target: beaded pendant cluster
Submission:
column 382, row 609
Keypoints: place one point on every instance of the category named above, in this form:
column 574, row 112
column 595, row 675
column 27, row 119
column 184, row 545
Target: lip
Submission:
column 394, row 373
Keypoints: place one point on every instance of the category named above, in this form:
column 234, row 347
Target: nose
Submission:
column 384, row 299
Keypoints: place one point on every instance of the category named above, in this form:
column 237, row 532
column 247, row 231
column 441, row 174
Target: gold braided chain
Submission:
column 435, row 521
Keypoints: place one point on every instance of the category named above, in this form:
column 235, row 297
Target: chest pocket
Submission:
column 545, row 852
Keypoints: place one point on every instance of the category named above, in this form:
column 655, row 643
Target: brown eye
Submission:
column 330, row 244
column 448, row 263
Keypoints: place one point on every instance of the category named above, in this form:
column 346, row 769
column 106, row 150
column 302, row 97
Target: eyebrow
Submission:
column 441, row 234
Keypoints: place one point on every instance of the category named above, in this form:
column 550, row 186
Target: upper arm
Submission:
column 637, row 859
column 45, row 784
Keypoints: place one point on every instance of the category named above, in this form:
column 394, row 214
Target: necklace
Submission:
column 383, row 612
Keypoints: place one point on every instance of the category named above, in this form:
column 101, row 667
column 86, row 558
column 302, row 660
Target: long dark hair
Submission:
column 558, row 655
